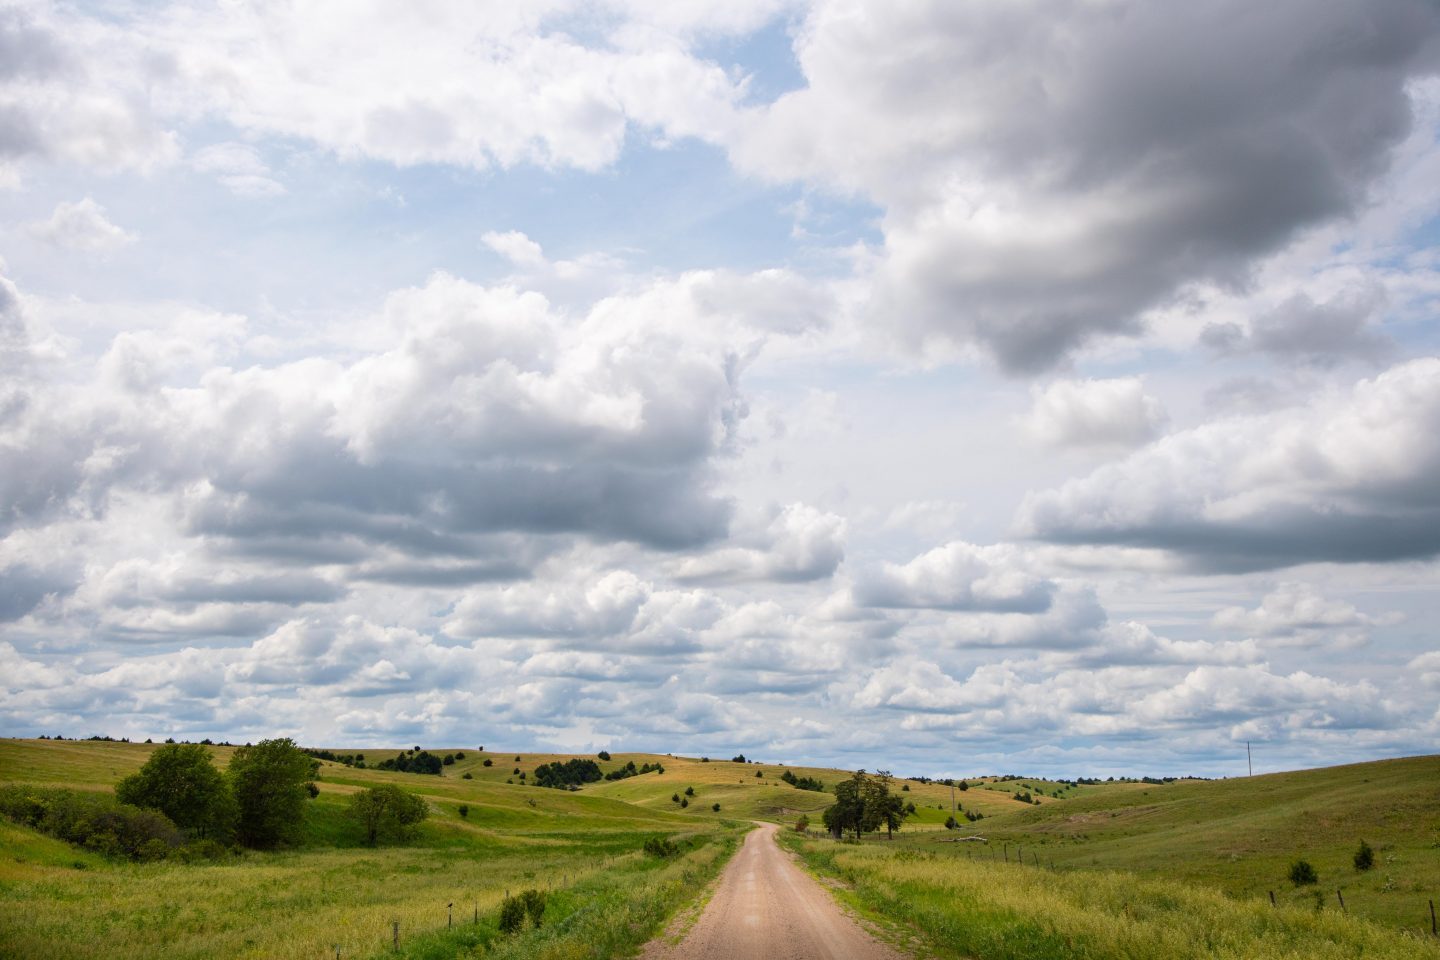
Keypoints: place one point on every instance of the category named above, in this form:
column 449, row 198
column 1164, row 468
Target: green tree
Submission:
column 387, row 810
column 268, row 780
column 181, row 781
column 848, row 810
column 1364, row 857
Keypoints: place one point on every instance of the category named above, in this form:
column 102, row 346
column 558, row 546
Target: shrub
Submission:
column 905, row 787
column 951, row 823
column 312, row 789
column 1302, row 873
column 468, row 776
column 514, row 911
column 759, row 773
column 604, row 755
column 447, row 760
column 715, row 807
column 689, row 791
column 802, row 823
column 459, row 754
column 684, row 803
column 660, row 847
column 674, row 798
column 488, row 762
column 463, row 810
column 1364, row 857
column 96, row 821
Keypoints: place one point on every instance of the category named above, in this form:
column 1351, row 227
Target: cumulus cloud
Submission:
column 800, row 544
column 1095, row 413
column 1051, row 171
column 1305, row 332
column 958, row 576
column 1347, row 479
column 81, row 225
column 1297, row 613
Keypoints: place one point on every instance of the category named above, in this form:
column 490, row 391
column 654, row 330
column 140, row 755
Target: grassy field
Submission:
column 963, row 908
column 1209, row 848
column 1240, row 836
column 57, row 901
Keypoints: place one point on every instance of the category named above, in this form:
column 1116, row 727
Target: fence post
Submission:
column 1272, row 898
column 477, row 911
column 1433, row 933
column 450, row 915
column 395, row 935
column 1007, row 853
column 1341, row 897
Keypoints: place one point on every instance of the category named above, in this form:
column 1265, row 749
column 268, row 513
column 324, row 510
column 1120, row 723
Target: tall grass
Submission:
column 1005, row 912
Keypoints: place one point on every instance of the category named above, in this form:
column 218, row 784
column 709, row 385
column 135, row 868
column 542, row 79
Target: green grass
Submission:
column 1240, row 836
column 59, row 902
column 1004, row 912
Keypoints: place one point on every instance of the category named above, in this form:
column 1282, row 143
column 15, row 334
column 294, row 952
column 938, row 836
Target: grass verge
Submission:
column 999, row 912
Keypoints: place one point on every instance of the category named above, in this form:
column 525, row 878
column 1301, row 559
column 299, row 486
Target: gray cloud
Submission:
column 1348, row 480
column 1050, row 171
column 1303, row 331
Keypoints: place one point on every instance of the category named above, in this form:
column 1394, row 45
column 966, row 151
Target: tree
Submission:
column 268, row 780
column 387, row 810
column 882, row 808
column 802, row 823
column 1301, row 872
column 1364, row 857
column 848, row 810
column 604, row 755
column 180, row 780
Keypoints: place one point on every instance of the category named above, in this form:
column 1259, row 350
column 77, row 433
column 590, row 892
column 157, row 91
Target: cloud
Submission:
column 239, row 168
column 1095, row 413
column 1297, row 613
column 1349, row 479
column 800, row 544
column 81, row 225
column 1051, row 171
column 1302, row 331
column 958, row 576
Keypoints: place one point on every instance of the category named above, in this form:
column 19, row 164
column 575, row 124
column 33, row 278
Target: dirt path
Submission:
column 768, row 907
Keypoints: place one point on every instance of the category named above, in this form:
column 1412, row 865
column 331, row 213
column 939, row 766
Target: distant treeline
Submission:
column 803, row 783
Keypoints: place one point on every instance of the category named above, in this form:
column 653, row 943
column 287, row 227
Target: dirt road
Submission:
column 768, row 907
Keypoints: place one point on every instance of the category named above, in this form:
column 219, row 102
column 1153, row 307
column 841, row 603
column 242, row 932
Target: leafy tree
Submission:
column 1364, row 857
column 387, row 810
column 268, row 781
column 883, row 808
column 181, row 781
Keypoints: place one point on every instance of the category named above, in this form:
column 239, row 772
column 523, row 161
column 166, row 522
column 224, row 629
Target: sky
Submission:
column 952, row 387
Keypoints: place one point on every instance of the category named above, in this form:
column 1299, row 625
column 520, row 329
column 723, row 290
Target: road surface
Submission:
column 766, row 906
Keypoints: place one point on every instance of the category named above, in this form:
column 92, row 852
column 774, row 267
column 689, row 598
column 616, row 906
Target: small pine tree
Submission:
column 1301, row 873
column 674, row 798
column 689, row 791
column 1364, row 857
column 684, row 803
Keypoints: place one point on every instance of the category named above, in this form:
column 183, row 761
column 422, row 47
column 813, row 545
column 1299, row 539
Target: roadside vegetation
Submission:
column 999, row 911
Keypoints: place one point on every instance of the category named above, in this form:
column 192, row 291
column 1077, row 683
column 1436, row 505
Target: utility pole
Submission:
column 1248, row 762
column 952, row 796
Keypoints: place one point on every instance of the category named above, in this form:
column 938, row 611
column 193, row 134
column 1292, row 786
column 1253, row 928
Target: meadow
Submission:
column 605, row 895
column 1001, row 911
column 1127, row 869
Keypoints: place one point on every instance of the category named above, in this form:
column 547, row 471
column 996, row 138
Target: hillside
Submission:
column 1241, row 835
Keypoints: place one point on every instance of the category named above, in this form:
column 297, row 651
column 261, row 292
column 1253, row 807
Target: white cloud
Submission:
column 800, row 544
column 239, row 168
column 81, row 225
column 1095, row 413
column 1298, row 613
column 1346, row 479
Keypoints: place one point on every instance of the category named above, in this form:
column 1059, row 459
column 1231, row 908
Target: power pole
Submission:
column 1248, row 762
column 952, row 796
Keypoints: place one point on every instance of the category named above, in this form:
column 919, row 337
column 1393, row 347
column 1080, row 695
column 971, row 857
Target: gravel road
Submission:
column 766, row 906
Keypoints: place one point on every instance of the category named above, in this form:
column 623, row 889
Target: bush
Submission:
column 468, row 776
column 1364, row 857
column 604, row 755
column 684, row 803
column 689, row 791
column 1302, row 873
column 514, row 911
column 802, row 824
column 96, row 821
column 660, row 847
column 951, row 823
column 715, row 807
column 488, row 762
column 674, row 798
column 463, row 810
